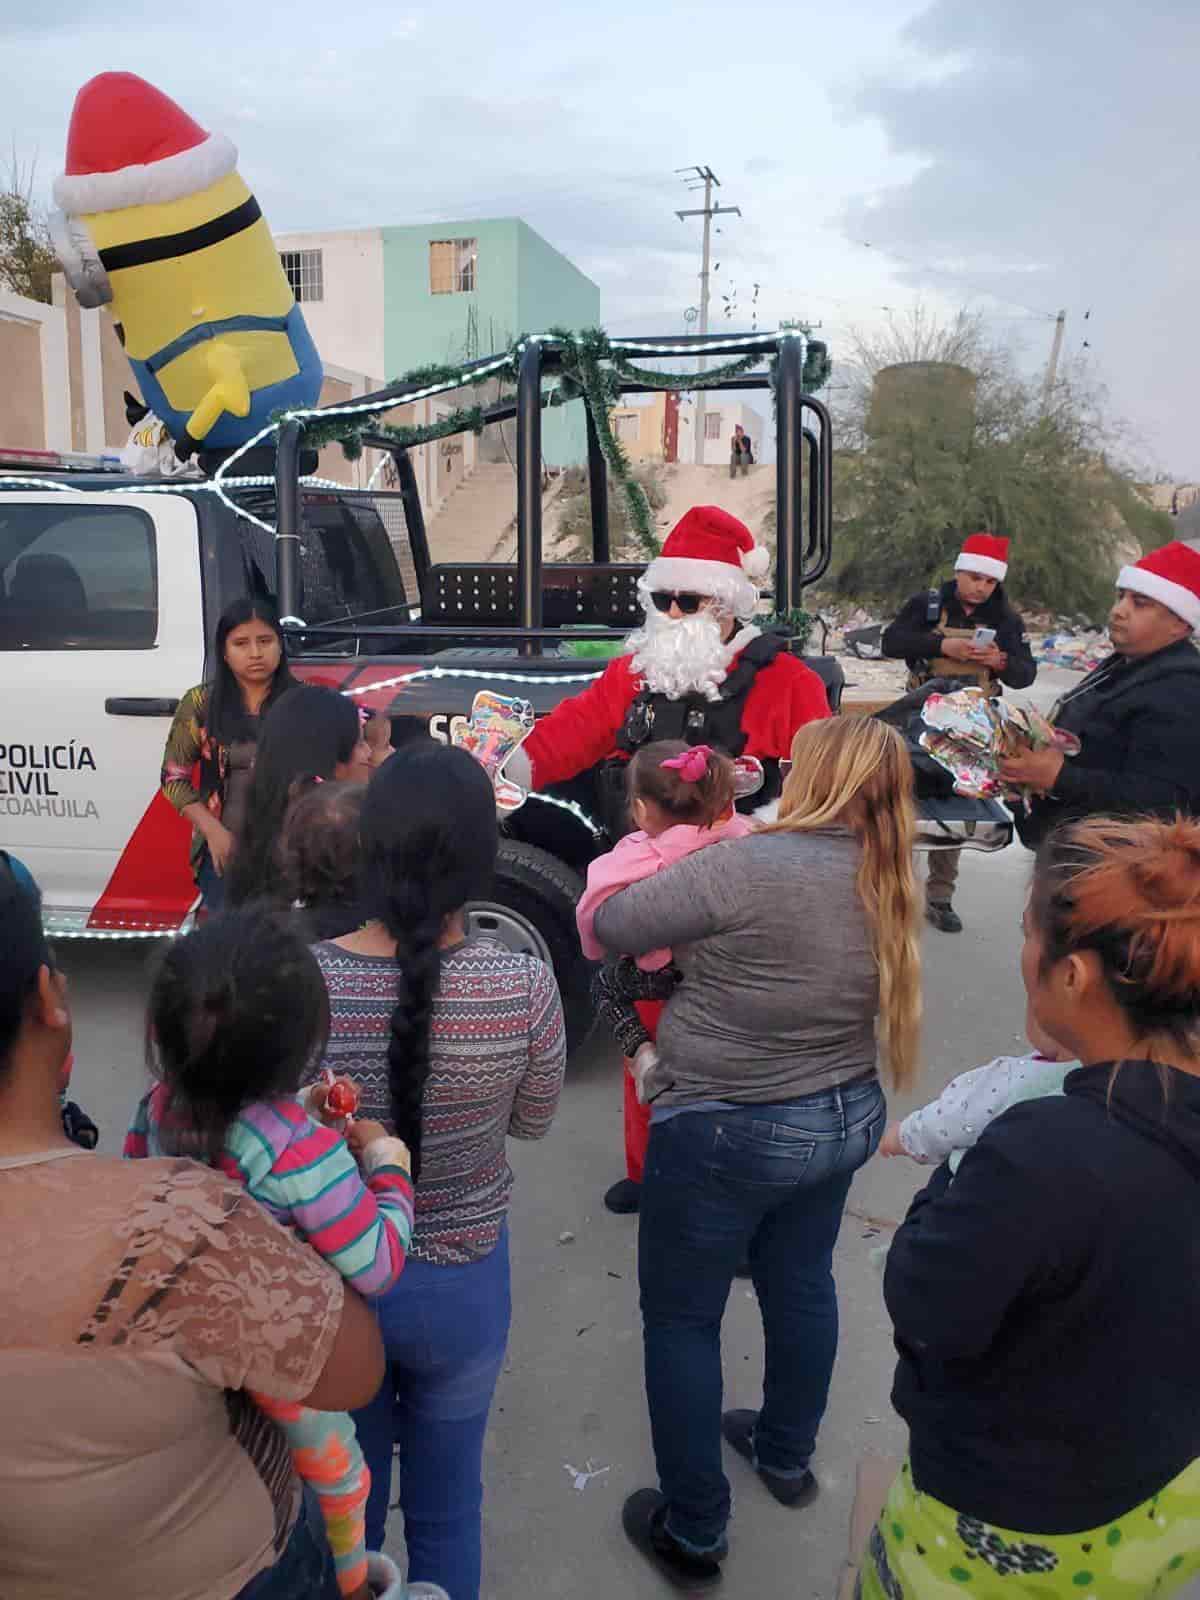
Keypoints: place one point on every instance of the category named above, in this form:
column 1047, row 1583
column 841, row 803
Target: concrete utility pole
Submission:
column 1060, row 323
column 707, row 177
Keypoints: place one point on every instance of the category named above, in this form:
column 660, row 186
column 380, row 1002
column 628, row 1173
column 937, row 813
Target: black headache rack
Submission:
column 521, row 596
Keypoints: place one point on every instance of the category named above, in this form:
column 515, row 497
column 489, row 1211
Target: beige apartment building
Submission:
column 65, row 377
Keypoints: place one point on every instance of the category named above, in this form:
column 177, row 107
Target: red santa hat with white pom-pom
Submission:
column 1172, row 577
column 131, row 145
column 711, row 553
column 985, row 553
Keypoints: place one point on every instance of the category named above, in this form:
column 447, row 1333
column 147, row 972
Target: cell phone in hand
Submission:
column 983, row 638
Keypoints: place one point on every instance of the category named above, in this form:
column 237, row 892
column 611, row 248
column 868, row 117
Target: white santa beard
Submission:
column 685, row 656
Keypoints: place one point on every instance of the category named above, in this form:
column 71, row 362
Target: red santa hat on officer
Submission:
column 711, row 553
column 985, row 553
column 1172, row 577
column 131, row 145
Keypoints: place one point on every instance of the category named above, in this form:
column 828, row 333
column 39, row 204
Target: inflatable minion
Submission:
column 157, row 224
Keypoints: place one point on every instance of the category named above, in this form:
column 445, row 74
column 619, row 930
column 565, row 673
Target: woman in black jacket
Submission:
column 1047, row 1302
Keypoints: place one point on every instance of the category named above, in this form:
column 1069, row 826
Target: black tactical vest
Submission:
column 694, row 718
column 698, row 721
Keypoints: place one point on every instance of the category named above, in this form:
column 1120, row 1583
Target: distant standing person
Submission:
column 209, row 756
column 737, row 445
column 942, row 633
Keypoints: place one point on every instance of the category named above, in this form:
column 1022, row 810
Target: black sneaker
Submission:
column 644, row 1518
column 624, row 1198
column 944, row 917
column 738, row 1428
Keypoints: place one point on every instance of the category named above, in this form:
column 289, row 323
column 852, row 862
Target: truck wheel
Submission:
column 533, row 911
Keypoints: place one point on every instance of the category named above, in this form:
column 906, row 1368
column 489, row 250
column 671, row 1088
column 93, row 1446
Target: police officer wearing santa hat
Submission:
column 1137, row 715
column 965, row 630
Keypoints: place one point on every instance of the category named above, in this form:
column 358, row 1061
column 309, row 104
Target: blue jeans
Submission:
column 210, row 883
column 769, row 1181
column 305, row 1570
column 445, row 1330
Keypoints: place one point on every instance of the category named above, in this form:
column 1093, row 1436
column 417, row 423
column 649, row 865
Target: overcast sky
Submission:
column 1015, row 155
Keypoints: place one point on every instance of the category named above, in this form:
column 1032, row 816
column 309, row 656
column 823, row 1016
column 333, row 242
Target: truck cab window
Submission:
column 77, row 578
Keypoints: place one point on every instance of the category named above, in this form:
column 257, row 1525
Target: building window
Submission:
column 627, row 429
column 303, row 270
column 452, row 265
column 712, row 424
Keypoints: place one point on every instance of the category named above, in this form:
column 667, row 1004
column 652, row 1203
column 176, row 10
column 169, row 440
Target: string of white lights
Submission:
column 569, row 805
column 714, row 346
column 470, row 672
column 9, row 481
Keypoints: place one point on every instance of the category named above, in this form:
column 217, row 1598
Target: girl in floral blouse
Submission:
column 209, row 755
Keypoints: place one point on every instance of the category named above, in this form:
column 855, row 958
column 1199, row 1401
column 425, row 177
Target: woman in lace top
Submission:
column 141, row 1300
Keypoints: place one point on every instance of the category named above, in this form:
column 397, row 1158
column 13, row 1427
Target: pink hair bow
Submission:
column 692, row 765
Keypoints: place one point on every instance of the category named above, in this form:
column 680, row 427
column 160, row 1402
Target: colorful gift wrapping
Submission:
column 970, row 736
column 496, row 727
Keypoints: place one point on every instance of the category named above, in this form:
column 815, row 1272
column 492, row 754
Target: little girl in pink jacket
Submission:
column 682, row 799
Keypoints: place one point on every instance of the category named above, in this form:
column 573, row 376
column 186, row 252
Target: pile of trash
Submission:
column 1082, row 652
column 1056, row 641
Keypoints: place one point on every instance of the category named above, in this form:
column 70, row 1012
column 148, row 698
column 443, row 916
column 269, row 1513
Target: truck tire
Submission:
column 533, row 910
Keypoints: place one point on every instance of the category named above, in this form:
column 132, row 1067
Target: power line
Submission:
column 946, row 272
column 703, row 177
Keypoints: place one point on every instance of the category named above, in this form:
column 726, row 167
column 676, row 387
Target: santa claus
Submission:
column 699, row 670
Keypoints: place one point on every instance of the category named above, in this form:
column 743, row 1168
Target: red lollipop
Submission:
column 342, row 1099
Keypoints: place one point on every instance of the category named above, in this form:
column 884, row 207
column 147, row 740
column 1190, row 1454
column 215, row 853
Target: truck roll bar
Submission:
column 803, row 496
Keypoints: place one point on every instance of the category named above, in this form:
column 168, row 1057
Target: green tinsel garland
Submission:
column 583, row 363
column 817, row 367
column 349, row 431
column 589, row 360
column 591, row 370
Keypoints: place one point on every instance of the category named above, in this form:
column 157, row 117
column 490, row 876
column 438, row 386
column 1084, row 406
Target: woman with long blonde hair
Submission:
column 797, row 946
column 856, row 771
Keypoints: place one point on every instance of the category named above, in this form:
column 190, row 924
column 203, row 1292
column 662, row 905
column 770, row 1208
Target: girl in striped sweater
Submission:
column 237, row 1013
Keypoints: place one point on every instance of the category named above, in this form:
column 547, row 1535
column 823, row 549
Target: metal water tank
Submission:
column 931, row 392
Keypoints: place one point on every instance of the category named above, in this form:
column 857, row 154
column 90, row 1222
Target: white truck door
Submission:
column 101, row 630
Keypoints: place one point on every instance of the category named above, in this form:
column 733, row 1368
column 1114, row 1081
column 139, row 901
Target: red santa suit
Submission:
column 582, row 731
column 709, row 553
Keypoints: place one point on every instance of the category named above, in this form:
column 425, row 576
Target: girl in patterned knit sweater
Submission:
column 237, row 1013
column 457, row 1045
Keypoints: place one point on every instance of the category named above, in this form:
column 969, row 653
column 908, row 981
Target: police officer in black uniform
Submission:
column 965, row 630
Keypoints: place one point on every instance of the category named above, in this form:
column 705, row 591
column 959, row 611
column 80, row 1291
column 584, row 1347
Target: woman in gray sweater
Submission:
column 793, row 944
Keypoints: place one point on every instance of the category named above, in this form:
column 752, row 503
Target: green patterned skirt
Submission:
column 922, row 1550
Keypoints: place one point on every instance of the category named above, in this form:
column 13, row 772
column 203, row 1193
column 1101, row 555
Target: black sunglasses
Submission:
column 689, row 604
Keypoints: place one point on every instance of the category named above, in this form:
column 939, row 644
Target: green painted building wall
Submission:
column 522, row 285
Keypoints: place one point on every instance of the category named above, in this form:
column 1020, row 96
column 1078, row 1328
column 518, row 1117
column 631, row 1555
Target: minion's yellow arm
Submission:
column 230, row 390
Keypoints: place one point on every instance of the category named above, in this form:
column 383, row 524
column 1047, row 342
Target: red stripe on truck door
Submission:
column 152, row 884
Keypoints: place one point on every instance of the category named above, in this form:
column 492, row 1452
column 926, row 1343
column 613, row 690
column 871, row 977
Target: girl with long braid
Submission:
column 454, row 1043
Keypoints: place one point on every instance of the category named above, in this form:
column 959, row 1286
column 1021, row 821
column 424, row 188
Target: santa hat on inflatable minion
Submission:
column 709, row 552
column 1172, row 577
column 984, row 553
